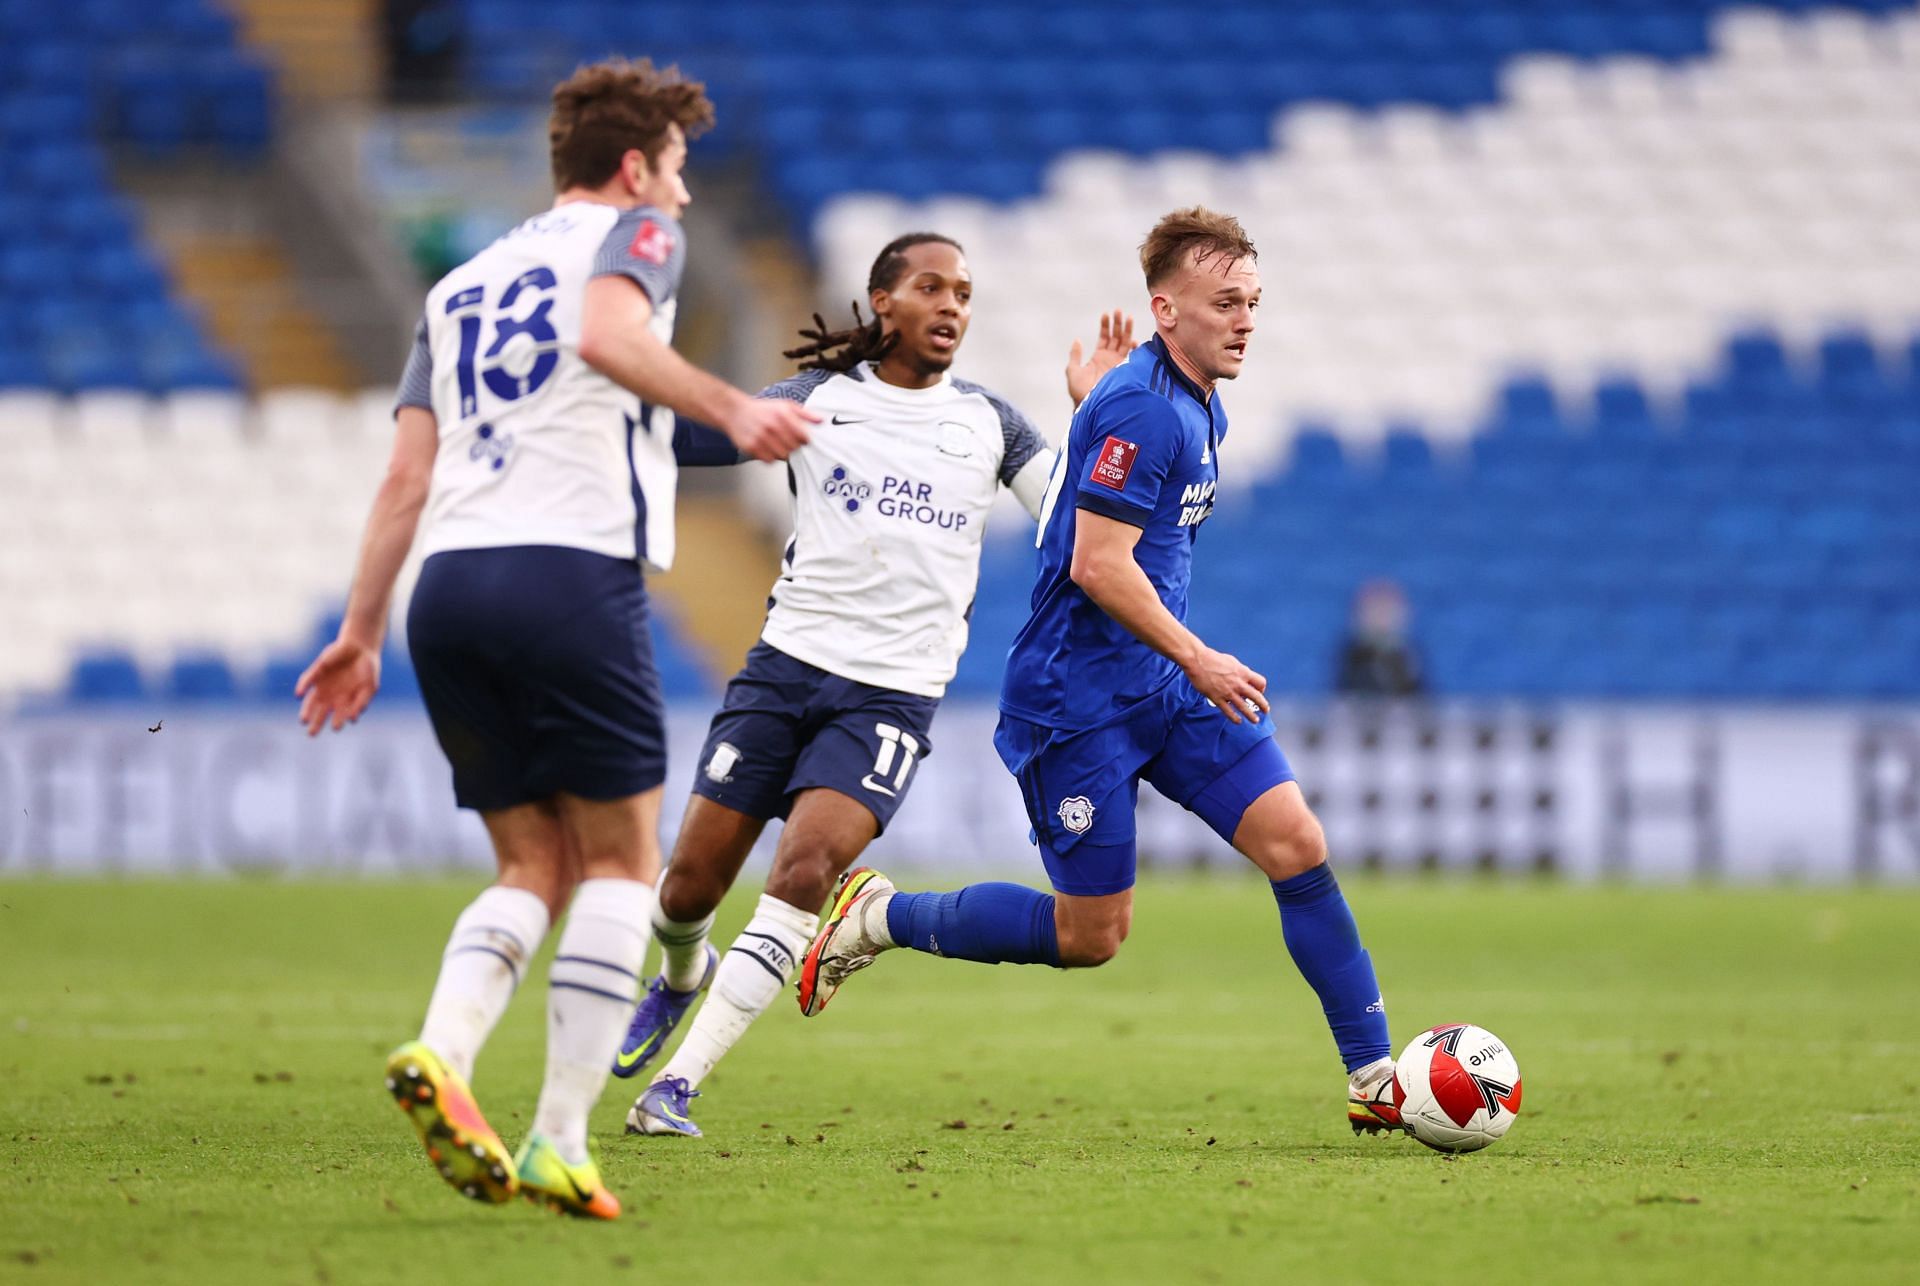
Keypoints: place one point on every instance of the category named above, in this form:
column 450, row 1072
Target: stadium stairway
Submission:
column 325, row 47
column 248, row 292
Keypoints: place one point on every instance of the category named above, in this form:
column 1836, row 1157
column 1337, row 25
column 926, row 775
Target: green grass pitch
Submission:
column 1720, row 1086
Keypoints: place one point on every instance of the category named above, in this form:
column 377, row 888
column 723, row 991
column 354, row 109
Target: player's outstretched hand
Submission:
column 770, row 428
column 338, row 685
column 1111, row 349
column 1239, row 692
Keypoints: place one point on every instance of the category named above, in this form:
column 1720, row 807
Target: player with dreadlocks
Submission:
column 827, row 720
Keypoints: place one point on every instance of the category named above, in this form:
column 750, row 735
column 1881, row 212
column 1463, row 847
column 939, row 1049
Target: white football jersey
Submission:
column 890, row 500
column 537, row 447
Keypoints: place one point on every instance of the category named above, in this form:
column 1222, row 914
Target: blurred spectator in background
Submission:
column 423, row 40
column 1377, row 659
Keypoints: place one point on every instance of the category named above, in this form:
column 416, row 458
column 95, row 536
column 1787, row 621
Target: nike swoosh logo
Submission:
column 666, row 1110
column 843, row 420
column 584, row 1196
column 628, row 1060
column 873, row 785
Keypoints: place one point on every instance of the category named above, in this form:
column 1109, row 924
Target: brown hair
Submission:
column 602, row 112
column 1198, row 229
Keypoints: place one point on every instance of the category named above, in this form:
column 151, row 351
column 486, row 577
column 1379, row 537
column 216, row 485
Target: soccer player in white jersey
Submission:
column 534, row 429
column 828, row 719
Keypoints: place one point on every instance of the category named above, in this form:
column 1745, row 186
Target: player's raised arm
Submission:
column 615, row 340
column 1030, row 460
column 344, row 677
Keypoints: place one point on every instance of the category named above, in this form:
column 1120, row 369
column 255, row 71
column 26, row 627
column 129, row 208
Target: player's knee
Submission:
column 1296, row 849
column 804, row 872
column 688, row 894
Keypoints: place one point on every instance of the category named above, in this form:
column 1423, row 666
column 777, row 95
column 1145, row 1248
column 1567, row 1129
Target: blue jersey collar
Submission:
column 1159, row 347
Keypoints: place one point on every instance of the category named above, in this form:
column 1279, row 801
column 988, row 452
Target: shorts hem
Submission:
column 1100, row 890
column 839, row 788
column 599, row 792
column 732, row 799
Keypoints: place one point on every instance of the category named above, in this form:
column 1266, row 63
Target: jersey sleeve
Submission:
column 797, row 387
column 1133, row 440
column 648, row 246
column 701, row 446
column 1020, row 441
column 416, row 382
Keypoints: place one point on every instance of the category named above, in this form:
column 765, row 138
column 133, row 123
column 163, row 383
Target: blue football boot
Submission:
column 656, row 1017
column 663, row 1109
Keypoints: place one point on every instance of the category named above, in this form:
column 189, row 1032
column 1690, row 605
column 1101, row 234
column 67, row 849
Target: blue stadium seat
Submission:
column 1528, row 405
column 1621, row 409
column 233, row 104
column 278, row 678
column 1317, row 454
column 104, row 676
column 203, row 676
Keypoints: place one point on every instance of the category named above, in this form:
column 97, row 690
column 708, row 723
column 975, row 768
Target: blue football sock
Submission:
column 1325, row 944
column 991, row 923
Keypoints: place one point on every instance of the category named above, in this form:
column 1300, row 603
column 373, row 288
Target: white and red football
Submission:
column 1457, row 1087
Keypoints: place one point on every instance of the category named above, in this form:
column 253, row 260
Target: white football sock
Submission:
column 754, row 971
column 590, row 994
column 683, row 948
column 492, row 943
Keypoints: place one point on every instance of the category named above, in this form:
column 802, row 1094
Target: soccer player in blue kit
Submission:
column 1106, row 687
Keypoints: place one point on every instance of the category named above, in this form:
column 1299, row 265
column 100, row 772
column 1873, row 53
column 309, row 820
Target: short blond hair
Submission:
column 1206, row 233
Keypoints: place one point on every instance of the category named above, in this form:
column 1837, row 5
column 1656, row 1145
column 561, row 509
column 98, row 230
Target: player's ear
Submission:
column 881, row 302
column 1165, row 313
column 635, row 168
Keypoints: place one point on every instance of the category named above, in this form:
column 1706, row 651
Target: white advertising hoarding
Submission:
column 1587, row 791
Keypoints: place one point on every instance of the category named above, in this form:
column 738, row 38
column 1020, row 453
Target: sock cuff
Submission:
column 519, row 914
column 679, row 933
column 1308, row 886
column 774, row 943
column 628, row 901
column 787, row 915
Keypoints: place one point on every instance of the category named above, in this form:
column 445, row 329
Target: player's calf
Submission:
column 1090, row 930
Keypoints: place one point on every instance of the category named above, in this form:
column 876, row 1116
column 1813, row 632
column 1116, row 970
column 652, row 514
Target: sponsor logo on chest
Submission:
column 899, row 498
column 1196, row 502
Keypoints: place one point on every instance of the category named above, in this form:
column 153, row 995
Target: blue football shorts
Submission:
column 787, row 726
column 537, row 670
column 1081, row 787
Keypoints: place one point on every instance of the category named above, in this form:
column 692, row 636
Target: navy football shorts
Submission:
column 1081, row 788
column 787, row 726
column 537, row 669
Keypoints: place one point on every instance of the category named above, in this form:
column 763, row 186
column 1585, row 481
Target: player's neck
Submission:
column 1185, row 365
column 900, row 373
column 614, row 194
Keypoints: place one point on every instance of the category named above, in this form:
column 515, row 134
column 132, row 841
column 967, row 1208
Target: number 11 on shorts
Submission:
column 892, row 742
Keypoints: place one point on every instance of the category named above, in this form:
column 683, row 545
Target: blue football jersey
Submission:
column 1143, row 449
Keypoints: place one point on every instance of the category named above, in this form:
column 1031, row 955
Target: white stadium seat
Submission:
column 1774, row 180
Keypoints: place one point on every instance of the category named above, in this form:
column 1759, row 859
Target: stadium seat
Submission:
column 201, row 677
column 105, row 676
